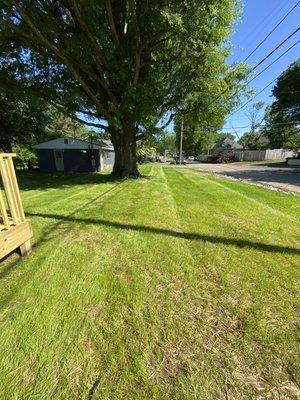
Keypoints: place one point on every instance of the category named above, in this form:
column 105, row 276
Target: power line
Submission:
column 257, row 94
column 252, row 98
column 276, row 48
column 217, row 98
column 266, row 21
column 278, row 58
column 270, row 33
column 292, row 91
column 265, row 58
column 257, row 65
column 249, row 126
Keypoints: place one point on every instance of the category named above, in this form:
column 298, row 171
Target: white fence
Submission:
column 262, row 155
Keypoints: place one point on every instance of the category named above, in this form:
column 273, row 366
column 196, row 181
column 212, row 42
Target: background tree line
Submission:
column 25, row 122
column 123, row 64
column 272, row 126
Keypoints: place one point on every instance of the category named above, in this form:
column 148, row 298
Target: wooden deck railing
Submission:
column 15, row 230
column 15, row 213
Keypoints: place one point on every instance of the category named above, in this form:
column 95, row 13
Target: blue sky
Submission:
column 259, row 18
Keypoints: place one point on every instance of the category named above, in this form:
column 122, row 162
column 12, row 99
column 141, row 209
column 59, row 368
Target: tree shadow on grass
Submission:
column 60, row 180
column 51, row 230
column 63, row 223
column 241, row 243
column 54, row 231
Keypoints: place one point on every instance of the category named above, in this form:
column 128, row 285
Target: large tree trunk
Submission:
column 125, row 165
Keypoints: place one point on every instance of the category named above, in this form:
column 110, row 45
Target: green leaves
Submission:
column 284, row 114
column 129, row 59
column 25, row 122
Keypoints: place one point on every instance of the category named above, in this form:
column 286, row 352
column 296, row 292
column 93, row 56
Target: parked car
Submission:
column 177, row 160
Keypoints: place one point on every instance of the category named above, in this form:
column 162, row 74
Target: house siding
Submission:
column 80, row 160
column 74, row 160
column 74, row 155
column 46, row 160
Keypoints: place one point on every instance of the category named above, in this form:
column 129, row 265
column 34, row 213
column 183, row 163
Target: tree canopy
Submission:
column 21, row 121
column 283, row 116
column 254, row 141
column 164, row 142
column 123, row 64
column 25, row 122
column 198, row 139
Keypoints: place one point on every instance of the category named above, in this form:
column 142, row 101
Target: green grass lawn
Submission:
column 180, row 285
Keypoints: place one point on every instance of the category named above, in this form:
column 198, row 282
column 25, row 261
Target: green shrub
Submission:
column 26, row 159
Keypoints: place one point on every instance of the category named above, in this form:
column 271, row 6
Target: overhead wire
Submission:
column 257, row 94
column 294, row 91
column 276, row 48
column 253, row 97
column 290, row 48
column 273, row 30
column 266, row 57
column 249, row 126
column 265, row 22
column 273, row 62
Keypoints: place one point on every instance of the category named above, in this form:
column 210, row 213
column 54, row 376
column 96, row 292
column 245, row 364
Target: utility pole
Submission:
column 181, row 139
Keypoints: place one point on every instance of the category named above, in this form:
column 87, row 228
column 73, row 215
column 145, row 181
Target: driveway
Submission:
column 275, row 175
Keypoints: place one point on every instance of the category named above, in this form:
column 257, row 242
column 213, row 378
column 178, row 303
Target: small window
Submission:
column 66, row 141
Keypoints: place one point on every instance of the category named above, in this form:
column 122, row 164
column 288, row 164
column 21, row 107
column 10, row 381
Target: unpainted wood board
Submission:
column 14, row 237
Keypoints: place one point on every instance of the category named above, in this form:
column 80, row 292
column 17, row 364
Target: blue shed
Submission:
column 74, row 155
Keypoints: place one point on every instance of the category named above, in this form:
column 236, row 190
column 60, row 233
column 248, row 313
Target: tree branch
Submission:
column 158, row 62
column 17, row 30
column 89, row 113
column 112, row 24
column 140, row 137
column 155, row 39
column 168, row 121
column 97, row 49
column 138, row 47
column 99, row 57
column 89, row 123
column 45, row 42
column 137, row 68
column 170, row 104
column 61, row 108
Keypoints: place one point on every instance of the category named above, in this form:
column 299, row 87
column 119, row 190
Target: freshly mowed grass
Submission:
column 179, row 285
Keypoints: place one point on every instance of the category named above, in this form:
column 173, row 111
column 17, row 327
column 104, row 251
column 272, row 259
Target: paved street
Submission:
column 269, row 174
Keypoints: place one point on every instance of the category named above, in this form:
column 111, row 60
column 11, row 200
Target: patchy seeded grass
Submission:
column 177, row 286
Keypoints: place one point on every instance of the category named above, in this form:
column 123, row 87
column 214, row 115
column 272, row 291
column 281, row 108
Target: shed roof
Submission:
column 68, row 142
column 227, row 143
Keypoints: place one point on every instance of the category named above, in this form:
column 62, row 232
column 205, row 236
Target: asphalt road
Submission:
column 275, row 175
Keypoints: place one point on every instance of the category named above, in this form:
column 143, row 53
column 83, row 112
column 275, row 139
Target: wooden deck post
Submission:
column 15, row 229
column 25, row 248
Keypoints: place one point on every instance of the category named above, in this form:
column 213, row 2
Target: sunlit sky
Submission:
column 259, row 18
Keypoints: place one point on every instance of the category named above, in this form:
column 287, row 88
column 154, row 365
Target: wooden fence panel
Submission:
column 262, row 155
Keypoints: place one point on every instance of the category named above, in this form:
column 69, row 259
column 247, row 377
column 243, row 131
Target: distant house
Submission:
column 225, row 145
column 74, row 155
